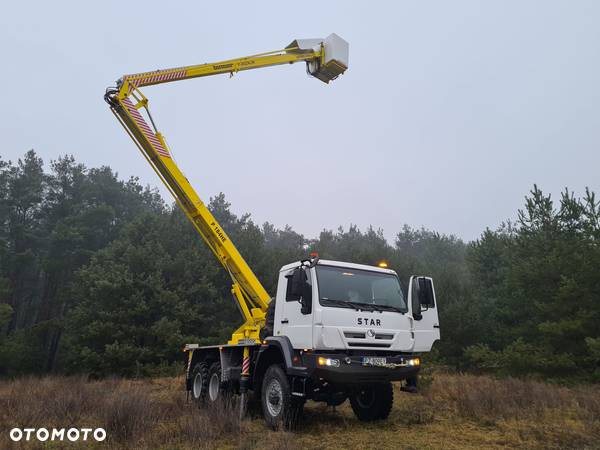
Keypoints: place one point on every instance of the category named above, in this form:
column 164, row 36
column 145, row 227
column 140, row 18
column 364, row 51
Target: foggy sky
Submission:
column 448, row 114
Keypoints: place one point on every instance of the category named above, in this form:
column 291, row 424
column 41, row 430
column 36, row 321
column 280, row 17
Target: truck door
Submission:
column 423, row 308
column 293, row 322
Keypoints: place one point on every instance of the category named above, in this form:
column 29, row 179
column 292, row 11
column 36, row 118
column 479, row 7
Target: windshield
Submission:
column 353, row 288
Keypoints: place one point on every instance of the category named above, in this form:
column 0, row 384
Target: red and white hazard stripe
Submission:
column 246, row 366
column 146, row 130
column 157, row 77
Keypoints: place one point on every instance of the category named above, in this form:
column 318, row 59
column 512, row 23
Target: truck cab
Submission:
column 353, row 307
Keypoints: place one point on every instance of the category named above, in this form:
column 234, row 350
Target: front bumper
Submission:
column 351, row 369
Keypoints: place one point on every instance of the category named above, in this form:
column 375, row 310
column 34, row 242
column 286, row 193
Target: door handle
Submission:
column 285, row 321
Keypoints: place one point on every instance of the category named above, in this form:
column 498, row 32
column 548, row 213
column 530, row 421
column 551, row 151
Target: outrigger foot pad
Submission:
column 409, row 389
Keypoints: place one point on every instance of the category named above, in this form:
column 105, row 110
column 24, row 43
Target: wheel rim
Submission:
column 214, row 386
column 197, row 386
column 365, row 398
column 274, row 395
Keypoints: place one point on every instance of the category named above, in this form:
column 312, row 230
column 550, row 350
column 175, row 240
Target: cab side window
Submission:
column 289, row 297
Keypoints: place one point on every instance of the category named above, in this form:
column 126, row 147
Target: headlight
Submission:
column 414, row 362
column 328, row 362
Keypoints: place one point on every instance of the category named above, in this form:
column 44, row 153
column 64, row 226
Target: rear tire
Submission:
column 200, row 383
column 372, row 402
column 215, row 391
column 280, row 408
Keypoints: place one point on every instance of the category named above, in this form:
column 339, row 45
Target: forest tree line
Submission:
column 101, row 276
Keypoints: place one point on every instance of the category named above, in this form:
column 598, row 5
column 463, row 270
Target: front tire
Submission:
column 372, row 402
column 280, row 408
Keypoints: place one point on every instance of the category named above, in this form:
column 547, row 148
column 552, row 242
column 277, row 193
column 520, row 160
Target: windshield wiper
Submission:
column 349, row 304
column 391, row 308
column 358, row 306
column 377, row 307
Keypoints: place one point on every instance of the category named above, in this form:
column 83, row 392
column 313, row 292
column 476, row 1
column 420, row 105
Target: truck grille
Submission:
column 352, row 335
column 358, row 335
column 384, row 336
column 368, row 344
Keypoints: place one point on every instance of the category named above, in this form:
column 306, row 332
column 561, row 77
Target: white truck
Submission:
column 335, row 330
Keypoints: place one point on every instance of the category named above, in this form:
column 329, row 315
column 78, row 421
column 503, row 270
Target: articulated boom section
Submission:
column 251, row 297
column 326, row 59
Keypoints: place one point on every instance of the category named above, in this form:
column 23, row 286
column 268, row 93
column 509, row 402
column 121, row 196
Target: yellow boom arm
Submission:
column 325, row 58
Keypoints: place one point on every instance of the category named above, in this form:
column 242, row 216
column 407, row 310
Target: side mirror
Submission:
column 306, row 299
column 422, row 296
column 300, row 290
column 297, row 284
column 426, row 297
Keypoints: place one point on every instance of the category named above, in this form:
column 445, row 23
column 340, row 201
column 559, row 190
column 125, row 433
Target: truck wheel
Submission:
column 280, row 408
column 200, row 383
column 214, row 389
column 373, row 402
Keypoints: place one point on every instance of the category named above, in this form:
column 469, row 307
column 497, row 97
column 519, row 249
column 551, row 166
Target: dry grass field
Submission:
column 455, row 411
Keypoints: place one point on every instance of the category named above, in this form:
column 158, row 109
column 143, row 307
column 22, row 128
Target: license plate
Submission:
column 373, row 361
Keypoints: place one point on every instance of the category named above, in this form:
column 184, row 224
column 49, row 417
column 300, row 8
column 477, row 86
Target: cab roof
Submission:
column 349, row 265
